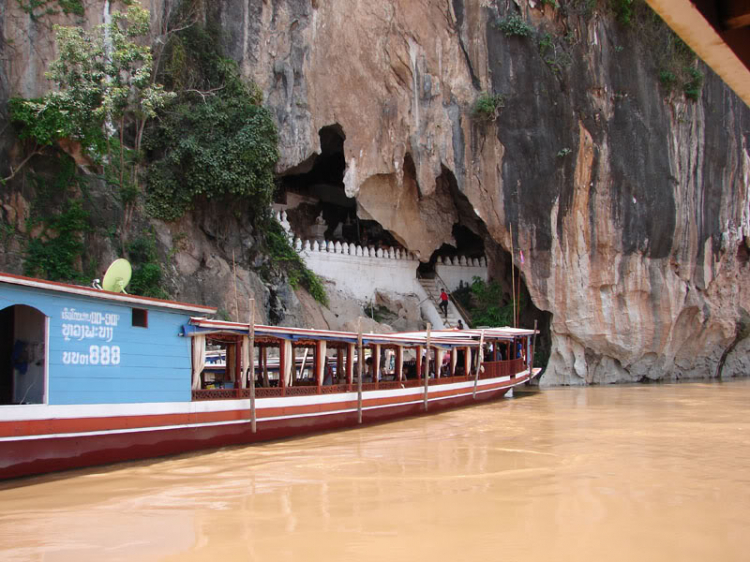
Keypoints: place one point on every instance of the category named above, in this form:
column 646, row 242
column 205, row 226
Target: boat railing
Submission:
column 492, row 369
column 215, row 394
column 495, row 369
column 335, row 388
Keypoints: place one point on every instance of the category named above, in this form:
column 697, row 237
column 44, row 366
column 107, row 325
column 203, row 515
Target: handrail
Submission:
column 461, row 309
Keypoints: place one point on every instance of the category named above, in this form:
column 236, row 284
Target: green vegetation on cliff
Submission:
column 214, row 139
column 484, row 303
column 39, row 8
column 161, row 150
column 55, row 253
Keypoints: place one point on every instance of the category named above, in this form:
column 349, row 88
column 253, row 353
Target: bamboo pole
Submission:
column 360, row 357
column 427, row 368
column 513, row 274
column 479, row 365
column 251, row 366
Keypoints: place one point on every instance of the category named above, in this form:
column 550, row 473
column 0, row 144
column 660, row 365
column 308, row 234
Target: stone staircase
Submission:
column 432, row 288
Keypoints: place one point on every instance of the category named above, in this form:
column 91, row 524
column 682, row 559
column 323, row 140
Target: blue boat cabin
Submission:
column 63, row 344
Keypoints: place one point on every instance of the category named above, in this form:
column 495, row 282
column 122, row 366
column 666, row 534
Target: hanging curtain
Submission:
column 246, row 367
column 439, row 354
column 231, row 363
column 199, row 359
column 288, row 363
column 321, row 361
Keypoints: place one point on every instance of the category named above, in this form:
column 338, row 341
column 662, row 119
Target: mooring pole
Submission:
column 251, row 366
column 360, row 358
column 513, row 274
column 533, row 351
column 479, row 363
column 427, row 368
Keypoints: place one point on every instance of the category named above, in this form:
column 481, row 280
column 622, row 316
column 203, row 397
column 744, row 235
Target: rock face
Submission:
column 631, row 205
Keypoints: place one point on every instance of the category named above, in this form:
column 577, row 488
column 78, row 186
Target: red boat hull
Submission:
column 42, row 453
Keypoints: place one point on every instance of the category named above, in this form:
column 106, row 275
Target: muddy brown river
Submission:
column 626, row 473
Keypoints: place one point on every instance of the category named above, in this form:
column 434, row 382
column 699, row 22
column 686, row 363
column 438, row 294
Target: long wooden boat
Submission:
column 90, row 377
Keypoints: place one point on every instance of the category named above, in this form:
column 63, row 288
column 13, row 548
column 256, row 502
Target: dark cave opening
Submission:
column 316, row 203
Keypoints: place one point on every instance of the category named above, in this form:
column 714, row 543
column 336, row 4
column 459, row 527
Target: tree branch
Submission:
column 13, row 172
column 206, row 93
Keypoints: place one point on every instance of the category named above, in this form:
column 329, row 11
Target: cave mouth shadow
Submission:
column 315, row 199
column 473, row 240
column 318, row 208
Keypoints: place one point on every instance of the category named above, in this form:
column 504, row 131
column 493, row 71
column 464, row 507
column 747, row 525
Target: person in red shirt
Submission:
column 444, row 302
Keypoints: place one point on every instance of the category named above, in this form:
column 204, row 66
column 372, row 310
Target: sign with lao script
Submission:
column 90, row 326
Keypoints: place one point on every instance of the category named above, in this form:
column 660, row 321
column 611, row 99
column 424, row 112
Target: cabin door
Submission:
column 22, row 355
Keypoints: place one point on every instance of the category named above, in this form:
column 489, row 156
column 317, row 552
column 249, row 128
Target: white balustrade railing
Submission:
column 463, row 261
column 347, row 249
column 388, row 253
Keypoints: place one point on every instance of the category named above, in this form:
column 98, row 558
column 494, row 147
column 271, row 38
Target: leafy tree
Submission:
column 486, row 304
column 105, row 86
column 215, row 139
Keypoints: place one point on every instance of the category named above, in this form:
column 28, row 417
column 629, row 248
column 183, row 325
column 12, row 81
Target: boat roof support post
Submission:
column 360, row 358
column 251, row 367
column 238, row 364
column 339, row 363
column 454, row 360
column 479, row 366
column 349, row 363
column 245, row 368
column 320, row 362
column 427, row 368
column 399, row 363
column 264, row 357
column 230, row 362
column 419, row 362
column 376, row 363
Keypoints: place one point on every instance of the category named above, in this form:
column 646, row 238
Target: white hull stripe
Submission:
column 237, row 422
column 35, row 412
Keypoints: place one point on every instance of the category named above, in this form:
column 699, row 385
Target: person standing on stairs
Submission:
column 444, row 303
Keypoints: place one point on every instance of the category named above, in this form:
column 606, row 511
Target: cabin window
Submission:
column 140, row 318
column 22, row 355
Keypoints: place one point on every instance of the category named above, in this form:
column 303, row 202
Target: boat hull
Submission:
column 50, row 448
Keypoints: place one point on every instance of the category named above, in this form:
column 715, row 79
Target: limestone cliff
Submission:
column 630, row 204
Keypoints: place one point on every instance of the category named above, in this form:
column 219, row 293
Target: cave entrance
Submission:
column 501, row 277
column 316, row 203
column 468, row 244
column 470, row 236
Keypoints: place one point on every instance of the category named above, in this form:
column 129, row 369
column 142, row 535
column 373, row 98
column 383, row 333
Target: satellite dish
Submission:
column 117, row 276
